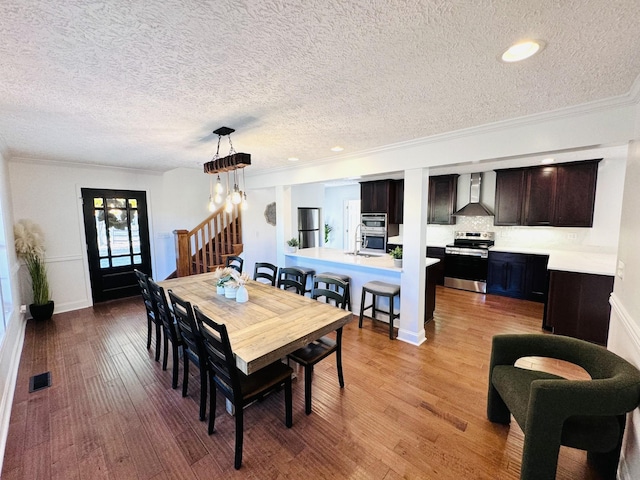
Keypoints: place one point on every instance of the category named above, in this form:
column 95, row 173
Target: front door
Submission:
column 117, row 233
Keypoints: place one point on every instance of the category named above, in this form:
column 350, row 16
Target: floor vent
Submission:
column 40, row 381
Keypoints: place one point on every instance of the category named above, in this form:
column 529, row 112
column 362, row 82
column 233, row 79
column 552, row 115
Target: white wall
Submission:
column 14, row 323
column 334, row 201
column 259, row 237
column 624, row 329
column 48, row 193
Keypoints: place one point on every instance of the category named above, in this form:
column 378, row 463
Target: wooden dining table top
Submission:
column 270, row 325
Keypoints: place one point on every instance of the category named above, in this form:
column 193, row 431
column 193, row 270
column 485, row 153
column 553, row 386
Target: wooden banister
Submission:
column 206, row 246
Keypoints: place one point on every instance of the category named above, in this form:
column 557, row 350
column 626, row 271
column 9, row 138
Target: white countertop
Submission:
column 593, row 262
column 334, row 255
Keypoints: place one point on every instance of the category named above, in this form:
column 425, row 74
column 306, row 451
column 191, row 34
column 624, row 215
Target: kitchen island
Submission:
column 361, row 269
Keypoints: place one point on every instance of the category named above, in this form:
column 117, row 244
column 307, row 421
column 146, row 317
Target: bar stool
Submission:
column 346, row 279
column 308, row 273
column 380, row 289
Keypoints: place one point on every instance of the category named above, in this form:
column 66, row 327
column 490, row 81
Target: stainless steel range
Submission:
column 467, row 260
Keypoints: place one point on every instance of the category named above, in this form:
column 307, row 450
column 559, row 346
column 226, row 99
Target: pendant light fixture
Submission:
column 229, row 165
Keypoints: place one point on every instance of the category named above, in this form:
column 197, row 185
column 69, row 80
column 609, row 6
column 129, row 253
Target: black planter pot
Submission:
column 41, row 312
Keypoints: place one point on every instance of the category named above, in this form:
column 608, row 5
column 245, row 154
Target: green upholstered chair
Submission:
column 553, row 411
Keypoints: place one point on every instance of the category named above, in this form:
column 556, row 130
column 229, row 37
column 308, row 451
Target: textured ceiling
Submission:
column 143, row 83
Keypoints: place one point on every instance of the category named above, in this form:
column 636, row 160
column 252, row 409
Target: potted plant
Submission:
column 396, row 253
column 221, row 276
column 292, row 244
column 29, row 245
column 327, row 230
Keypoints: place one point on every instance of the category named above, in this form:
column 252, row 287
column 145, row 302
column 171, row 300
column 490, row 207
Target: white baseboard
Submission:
column 10, row 352
column 624, row 340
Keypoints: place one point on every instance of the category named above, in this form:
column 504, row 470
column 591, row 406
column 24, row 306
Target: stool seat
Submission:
column 379, row 289
column 382, row 288
column 344, row 278
column 308, row 273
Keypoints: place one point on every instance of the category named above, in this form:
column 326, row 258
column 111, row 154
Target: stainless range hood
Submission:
column 474, row 208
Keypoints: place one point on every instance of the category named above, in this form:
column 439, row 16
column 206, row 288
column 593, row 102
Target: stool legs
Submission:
column 392, row 315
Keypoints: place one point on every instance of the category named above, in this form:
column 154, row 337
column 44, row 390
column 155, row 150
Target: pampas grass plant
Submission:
column 29, row 245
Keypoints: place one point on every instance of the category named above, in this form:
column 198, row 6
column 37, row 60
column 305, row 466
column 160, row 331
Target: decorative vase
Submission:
column 242, row 295
column 220, row 289
column 290, row 249
column 230, row 292
column 397, row 262
column 41, row 312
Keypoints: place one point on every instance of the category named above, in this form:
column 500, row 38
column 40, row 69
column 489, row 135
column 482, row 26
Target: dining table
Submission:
column 269, row 325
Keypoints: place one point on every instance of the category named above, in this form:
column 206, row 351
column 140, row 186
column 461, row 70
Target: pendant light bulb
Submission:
column 217, row 198
column 244, row 205
column 228, row 206
column 236, row 196
column 212, row 205
column 218, row 187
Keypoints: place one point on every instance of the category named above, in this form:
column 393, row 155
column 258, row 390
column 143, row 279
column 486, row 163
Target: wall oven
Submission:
column 467, row 261
column 373, row 233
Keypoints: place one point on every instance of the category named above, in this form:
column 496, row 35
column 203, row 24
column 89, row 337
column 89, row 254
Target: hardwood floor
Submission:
column 405, row 411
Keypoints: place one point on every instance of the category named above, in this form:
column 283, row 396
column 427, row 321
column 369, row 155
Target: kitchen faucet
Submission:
column 358, row 240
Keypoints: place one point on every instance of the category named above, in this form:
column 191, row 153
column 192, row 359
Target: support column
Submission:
column 414, row 237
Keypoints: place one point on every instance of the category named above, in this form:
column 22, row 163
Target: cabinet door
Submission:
column 575, row 196
column 537, row 278
column 579, row 305
column 367, row 193
column 506, row 274
column 437, row 270
column 540, row 196
column 509, row 196
column 396, row 210
column 442, row 199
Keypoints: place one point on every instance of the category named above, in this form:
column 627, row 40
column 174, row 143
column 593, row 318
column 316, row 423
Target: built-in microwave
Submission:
column 374, row 220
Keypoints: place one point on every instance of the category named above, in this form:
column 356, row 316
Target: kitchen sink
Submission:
column 362, row 254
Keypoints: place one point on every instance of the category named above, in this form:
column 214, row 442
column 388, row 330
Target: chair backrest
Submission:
column 265, row 270
column 235, row 262
column 219, row 355
column 331, row 288
column 143, row 281
column 291, row 278
column 189, row 331
column 162, row 307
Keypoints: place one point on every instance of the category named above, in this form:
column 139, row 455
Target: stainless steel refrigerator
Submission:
column 309, row 227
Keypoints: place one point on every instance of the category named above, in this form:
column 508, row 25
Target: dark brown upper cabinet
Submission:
column 560, row 195
column 540, row 196
column 576, row 194
column 509, row 195
column 383, row 196
column 442, row 199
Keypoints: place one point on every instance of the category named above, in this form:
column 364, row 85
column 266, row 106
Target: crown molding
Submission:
column 93, row 166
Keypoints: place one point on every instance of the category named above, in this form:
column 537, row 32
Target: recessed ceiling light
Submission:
column 337, row 148
column 522, row 50
column 547, row 160
column 293, row 159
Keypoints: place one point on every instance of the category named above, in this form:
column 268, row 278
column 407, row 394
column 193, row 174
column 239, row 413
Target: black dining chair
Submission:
column 291, row 278
column 170, row 328
column 152, row 317
column 332, row 290
column 238, row 388
column 193, row 347
column 266, row 271
column 235, row 262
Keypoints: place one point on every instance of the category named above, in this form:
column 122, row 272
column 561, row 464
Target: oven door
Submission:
column 376, row 244
column 466, row 272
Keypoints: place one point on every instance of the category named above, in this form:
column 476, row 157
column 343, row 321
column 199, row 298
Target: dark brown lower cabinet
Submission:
column 430, row 294
column 437, row 271
column 578, row 305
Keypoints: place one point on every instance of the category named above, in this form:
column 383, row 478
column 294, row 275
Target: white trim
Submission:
column 624, row 340
column 10, row 352
column 412, row 338
column 40, row 160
